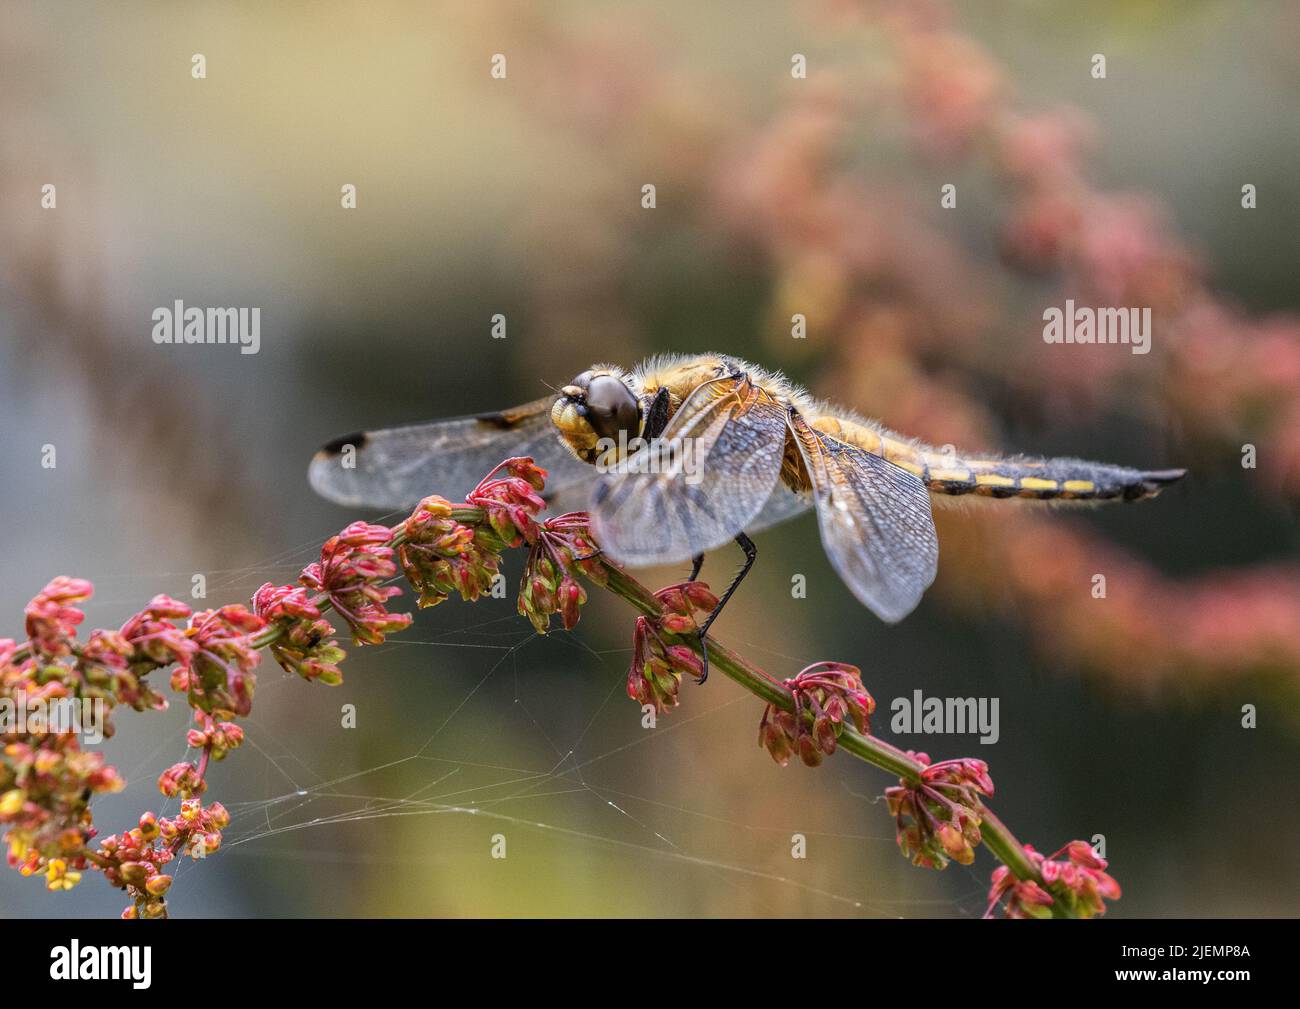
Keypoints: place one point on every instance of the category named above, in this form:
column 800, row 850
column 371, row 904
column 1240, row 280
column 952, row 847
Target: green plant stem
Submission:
column 994, row 833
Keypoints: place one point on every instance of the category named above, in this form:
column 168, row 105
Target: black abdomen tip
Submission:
column 1153, row 481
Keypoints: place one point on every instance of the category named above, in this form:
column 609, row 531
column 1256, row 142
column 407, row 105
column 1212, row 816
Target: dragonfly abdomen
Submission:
column 1046, row 479
column 945, row 472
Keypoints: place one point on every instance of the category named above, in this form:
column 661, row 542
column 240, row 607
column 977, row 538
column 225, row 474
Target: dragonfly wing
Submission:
column 875, row 523
column 397, row 466
column 782, row 504
column 572, row 497
column 710, row 473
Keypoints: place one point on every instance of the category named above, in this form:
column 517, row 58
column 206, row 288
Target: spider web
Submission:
column 595, row 788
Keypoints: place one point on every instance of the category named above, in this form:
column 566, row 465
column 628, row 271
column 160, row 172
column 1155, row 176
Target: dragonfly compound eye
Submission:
column 612, row 408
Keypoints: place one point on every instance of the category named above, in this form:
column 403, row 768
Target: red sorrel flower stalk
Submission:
column 350, row 574
column 658, row 663
column 824, row 693
column 306, row 645
column 47, row 781
column 134, row 860
column 562, row 548
column 441, row 556
column 938, row 816
column 219, row 675
column 1077, row 887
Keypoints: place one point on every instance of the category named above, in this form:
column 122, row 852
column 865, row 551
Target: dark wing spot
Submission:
column 502, row 420
column 334, row 447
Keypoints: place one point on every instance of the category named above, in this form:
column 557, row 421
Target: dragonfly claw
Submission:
column 704, row 658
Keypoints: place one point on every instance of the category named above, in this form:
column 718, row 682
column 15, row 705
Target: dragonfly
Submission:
column 688, row 453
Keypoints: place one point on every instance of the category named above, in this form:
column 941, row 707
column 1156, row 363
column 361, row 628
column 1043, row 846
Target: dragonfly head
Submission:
column 595, row 406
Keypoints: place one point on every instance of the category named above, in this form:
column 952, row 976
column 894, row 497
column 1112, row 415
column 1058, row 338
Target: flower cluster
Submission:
column 511, row 503
column 938, row 815
column 1076, row 887
column 562, row 548
column 350, row 574
column 46, row 779
column 134, row 860
column 219, row 676
column 657, row 663
column 182, row 779
column 824, row 694
column 306, row 644
column 156, row 641
column 46, row 785
column 440, row 555
column 52, row 617
column 217, row 738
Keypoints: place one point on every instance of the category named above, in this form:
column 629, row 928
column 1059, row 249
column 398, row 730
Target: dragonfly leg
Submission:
column 751, row 552
column 696, row 564
column 657, row 416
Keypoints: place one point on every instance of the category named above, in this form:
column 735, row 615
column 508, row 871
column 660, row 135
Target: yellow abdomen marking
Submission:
column 857, row 435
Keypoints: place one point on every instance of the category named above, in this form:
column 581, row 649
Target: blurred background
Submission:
column 775, row 195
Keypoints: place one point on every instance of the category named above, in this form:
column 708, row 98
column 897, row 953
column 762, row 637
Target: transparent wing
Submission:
column 781, row 504
column 397, row 466
column 709, row 474
column 875, row 523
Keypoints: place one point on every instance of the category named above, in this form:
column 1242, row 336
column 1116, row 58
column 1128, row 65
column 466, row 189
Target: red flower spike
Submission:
column 52, row 618
column 511, row 503
column 1077, row 887
column 826, row 693
column 220, row 674
column 306, row 645
column 352, row 567
column 134, row 860
column 938, row 817
column 658, row 664
column 441, row 556
column 561, row 549
column 46, row 783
